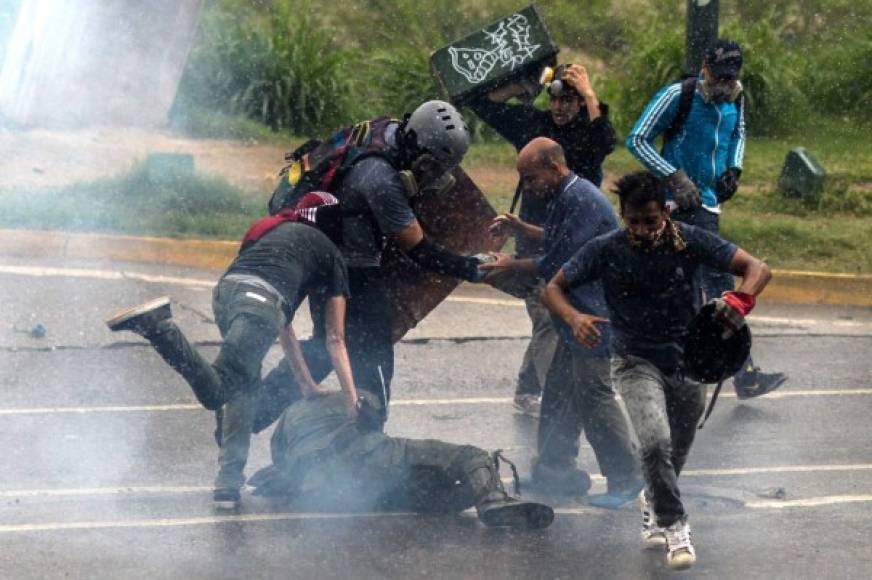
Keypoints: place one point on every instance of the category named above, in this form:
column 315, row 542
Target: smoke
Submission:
column 82, row 63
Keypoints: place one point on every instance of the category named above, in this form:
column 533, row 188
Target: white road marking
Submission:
column 809, row 502
column 485, row 301
column 109, row 409
column 103, row 275
column 397, row 403
column 203, row 283
column 278, row 517
column 97, row 491
column 189, row 489
column 206, row 520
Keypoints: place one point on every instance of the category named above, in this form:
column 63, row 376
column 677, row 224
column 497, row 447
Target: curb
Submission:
column 787, row 286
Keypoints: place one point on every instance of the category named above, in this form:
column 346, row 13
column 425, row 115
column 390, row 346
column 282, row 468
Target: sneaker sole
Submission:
column 117, row 321
column 653, row 542
column 681, row 562
column 526, row 515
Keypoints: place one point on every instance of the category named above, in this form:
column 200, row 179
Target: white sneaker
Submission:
column 653, row 536
column 680, row 554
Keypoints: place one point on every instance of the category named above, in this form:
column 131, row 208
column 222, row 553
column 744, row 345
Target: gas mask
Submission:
column 427, row 176
column 720, row 91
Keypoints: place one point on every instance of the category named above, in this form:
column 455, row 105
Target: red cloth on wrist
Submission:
column 741, row 302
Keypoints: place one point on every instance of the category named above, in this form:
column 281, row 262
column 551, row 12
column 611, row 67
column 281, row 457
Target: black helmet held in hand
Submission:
column 709, row 357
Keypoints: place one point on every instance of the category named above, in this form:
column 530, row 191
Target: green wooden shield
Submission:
column 513, row 47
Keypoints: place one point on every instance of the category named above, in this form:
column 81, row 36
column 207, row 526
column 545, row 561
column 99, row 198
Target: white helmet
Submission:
column 439, row 129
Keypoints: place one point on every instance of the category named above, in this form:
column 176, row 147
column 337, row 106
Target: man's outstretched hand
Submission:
column 585, row 329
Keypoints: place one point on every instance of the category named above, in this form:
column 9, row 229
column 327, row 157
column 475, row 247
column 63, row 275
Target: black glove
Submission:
column 727, row 184
column 684, row 192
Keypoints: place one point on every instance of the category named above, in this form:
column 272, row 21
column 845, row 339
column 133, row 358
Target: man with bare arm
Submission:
column 283, row 259
column 647, row 270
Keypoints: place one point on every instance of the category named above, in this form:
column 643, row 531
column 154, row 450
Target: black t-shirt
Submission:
column 650, row 293
column 374, row 205
column 296, row 259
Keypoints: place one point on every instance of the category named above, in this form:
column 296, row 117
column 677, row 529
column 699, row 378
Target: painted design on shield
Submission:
column 511, row 48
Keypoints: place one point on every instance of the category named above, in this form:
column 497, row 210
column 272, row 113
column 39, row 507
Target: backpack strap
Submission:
column 685, row 103
column 263, row 226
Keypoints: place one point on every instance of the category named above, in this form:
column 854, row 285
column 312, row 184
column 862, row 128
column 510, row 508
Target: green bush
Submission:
column 134, row 203
column 839, row 80
column 276, row 66
column 771, row 75
column 630, row 86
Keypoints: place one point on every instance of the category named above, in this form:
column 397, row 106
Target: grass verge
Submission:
column 135, row 203
column 833, row 234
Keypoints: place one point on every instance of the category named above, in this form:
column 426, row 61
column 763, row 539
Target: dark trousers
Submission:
column 367, row 337
column 664, row 409
column 711, row 282
column 249, row 320
column 540, row 350
column 579, row 397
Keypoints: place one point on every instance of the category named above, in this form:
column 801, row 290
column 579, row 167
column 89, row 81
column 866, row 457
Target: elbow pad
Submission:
column 433, row 257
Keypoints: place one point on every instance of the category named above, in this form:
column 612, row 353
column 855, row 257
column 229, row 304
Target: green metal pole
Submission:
column 702, row 31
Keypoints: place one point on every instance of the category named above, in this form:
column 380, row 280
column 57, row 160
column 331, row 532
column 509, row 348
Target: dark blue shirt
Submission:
column 375, row 205
column 578, row 214
column 650, row 292
column 585, row 142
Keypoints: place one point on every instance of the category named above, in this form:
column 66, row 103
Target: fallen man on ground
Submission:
column 325, row 460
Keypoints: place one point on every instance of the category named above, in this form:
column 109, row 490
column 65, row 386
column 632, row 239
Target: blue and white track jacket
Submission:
column 711, row 141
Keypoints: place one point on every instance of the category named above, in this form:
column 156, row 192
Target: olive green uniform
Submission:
column 322, row 457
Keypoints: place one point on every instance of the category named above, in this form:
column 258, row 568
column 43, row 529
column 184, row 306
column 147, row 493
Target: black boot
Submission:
column 496, row 508
column 143, row 318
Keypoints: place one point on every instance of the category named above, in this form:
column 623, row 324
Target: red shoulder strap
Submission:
column 261, row 227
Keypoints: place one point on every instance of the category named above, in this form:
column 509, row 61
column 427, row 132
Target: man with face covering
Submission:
column 701, row 162
column 374, row 194
column 579, row 122
column 647, row 271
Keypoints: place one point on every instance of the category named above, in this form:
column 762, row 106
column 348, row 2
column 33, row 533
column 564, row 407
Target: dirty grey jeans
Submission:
column 249, row 319
column 540, row 350
column 664, row 409
column 579, row 397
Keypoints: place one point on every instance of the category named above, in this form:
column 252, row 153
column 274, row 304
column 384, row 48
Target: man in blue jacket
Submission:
column 703, row 127
column 578, row 392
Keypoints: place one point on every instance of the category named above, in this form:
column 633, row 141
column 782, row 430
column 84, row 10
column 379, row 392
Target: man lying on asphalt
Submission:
column 647, row 270
column 324, row 459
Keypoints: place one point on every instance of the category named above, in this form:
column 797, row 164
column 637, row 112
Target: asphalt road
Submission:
column 108, row 459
